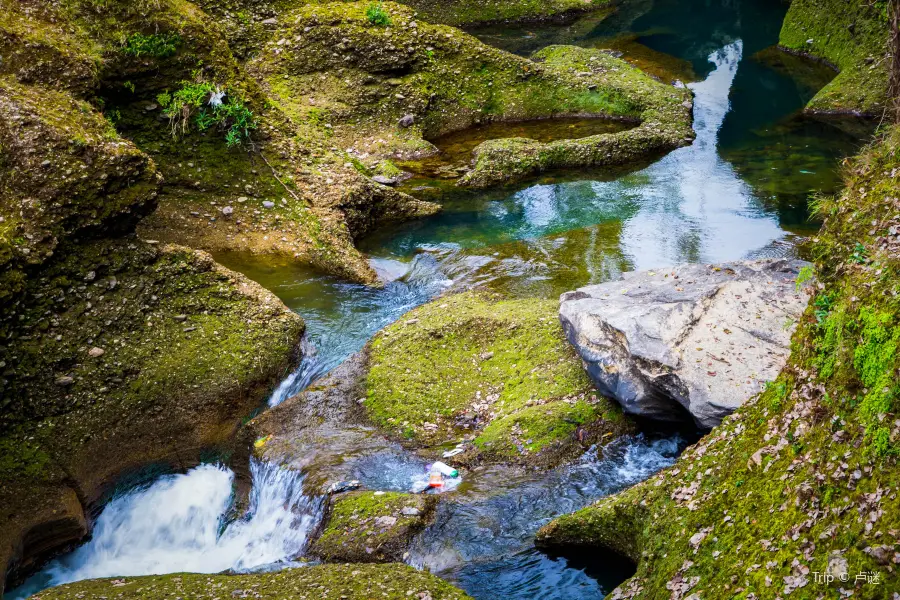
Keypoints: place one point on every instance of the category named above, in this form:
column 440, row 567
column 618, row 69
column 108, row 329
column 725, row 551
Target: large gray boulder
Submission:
column 704, row 338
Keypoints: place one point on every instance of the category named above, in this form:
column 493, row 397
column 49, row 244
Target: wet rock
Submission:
column 407, row 121
column 373, row 526
column 700, row 338
column 383, row 180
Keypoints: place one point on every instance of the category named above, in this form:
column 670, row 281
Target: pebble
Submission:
column 268, row 204
column 96, row 352
column 410, row 511
column 227, row 211
column 64, row 381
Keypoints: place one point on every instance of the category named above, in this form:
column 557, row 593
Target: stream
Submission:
column 739, row 191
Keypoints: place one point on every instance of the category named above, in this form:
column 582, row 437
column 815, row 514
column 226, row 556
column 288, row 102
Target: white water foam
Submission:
column 178, row 524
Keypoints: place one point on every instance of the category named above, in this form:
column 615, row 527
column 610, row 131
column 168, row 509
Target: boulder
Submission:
column 189, row 349
column 700, row 338
column 496, row 373
column 373, row 526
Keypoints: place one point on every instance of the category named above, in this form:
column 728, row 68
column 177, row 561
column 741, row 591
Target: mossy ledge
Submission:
column 496, row 372
column 852, row 37
column 382, row 91
column 662, row 111
column 324, row 582
column 115, row 355
column 804, row 478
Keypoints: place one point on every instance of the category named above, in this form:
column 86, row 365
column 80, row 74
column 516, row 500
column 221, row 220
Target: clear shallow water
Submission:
column 740, row 191
column 482, row 537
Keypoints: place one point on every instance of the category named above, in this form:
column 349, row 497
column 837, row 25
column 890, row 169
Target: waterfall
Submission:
column 178, row 523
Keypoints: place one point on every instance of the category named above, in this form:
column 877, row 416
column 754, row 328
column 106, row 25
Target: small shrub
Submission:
column 196, row 99
column 377, row 16
column 156, row 45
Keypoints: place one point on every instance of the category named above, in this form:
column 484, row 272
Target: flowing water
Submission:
column 740, row 191
column 179, row 523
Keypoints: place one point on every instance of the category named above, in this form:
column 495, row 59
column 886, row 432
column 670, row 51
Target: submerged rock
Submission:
column 700, row 338
column 373, row 526
column 328, row 582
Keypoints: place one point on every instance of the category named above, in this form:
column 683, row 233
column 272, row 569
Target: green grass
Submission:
column 155, row 45
column 377, row 15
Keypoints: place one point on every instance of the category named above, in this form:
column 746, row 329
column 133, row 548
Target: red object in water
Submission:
column 435, row 480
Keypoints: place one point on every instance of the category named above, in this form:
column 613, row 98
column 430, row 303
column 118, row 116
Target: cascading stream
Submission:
column 178, row 524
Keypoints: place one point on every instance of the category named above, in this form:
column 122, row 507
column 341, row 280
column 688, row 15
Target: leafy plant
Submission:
column 157, row 45
column 377, row 16
column 210, row 107
column 129, row 86
column 860, row 254
column 805, row 274
column 822, row 305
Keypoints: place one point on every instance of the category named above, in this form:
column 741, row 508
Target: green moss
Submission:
column 330, row 61
column 664, row 113
column 325, row 582
column 473, row 12
column 801, row 479
column 474, row 364
column 372, row 527
column 851, row 36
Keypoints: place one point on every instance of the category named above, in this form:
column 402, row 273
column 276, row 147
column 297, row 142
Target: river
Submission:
column 740, row 191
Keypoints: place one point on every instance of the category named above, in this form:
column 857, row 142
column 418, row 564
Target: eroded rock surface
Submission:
column 704, row 338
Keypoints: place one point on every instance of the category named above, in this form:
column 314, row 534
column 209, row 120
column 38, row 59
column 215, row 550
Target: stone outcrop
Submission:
column 695, row 338
column 497, row 373
column 373, row 526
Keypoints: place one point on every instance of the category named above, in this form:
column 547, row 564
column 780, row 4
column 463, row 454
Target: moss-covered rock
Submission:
column 663, row 111
column 39, row 45
column 64, row 171
column 473, row 12
column 853, row 38
column 325, row 582
column 499, row 372
column 382, row 90
column 115, row 355
column 802, row 481
column 372, row 526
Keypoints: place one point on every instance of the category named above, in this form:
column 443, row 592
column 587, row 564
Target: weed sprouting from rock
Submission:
column 211, row 107
column 377, row 16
